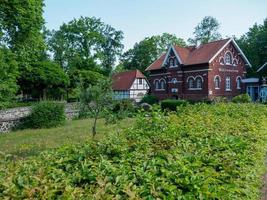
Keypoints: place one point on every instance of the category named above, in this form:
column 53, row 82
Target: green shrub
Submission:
column 242, row 98
column 150, row 99
column 202, row 152
column 45, row 114
column 171, row 104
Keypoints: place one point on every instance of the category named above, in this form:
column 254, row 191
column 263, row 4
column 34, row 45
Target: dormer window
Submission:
column 171, row 62
column 228, row 58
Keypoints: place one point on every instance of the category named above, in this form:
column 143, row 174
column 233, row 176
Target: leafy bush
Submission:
column 150, row 99
column 201, row 152
column 45, row 114
column 242, row 98
column 220, row 100
column 171, row 104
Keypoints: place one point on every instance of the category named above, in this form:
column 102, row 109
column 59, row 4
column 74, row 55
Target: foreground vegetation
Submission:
column 29, row 142
column 200, row 152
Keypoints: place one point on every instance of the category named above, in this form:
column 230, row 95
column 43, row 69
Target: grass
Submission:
column 30, row 142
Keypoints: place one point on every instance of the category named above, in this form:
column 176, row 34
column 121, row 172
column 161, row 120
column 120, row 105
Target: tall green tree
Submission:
column 148, row 50
column 43, row 77
column 254, row 45
column 86, row 39
column 8, row 76
column 21, row 22
column 206, row 31
column 21, row 25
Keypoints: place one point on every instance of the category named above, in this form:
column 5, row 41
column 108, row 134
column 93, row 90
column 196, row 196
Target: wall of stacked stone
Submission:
column 10, row 118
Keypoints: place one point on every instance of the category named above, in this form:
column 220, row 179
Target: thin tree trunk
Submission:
column 94, row 125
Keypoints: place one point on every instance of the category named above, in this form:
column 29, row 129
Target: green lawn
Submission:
column 33, row 141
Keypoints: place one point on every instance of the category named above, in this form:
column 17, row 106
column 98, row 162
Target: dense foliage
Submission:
column 8, row 77
column 45, row 114
column 242, row 98
column 254, row 45
column 150, row 99
column 86, row 39
column 43, row 78
column 206, row 31
column 148, row 50
column 171, row 104
column 201, row 152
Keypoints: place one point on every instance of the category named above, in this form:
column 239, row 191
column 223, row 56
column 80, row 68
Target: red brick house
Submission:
column 204, row 72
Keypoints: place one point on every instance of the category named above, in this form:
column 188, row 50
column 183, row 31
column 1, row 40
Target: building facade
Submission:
column 130, row 85
column 256, row 87
column 215, row 69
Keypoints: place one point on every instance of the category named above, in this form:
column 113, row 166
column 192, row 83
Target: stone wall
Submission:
column 10, row 118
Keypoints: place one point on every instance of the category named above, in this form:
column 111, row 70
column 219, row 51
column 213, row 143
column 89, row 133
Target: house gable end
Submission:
column 171, row 53
column 237, row 48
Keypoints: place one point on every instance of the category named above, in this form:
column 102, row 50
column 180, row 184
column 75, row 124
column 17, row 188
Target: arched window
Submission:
column 235, row 62
column 217, row 82
column 238, row 82
column 175, row 62
column 221, row 61
column 199, row 83
column 162, row 85
column 174, row 80
column 228, row 84
column 171, row 62
column 228, row 58
column 190, row 83
column 157, row 86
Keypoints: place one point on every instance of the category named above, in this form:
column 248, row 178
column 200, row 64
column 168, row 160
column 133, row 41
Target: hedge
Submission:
column 242, row 98
column 200, row 152
column 45, row 114
column 171, row 104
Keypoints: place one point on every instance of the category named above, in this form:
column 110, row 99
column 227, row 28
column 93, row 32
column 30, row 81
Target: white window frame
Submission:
column 238, row 82
column 199, row 83
column 228, row 83
column 227, row 55
column 217, row 78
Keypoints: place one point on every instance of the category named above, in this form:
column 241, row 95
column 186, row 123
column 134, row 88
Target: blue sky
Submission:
column 141, row 18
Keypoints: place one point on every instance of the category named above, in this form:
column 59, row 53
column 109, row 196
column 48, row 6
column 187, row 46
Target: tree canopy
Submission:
column 206, row 31
column 86, row 39
column 254, row 45
column 148, row 50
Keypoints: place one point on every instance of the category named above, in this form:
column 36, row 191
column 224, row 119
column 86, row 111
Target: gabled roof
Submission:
column 262, row 67
column 204, row 53
column 157, row 64
column 124, row 80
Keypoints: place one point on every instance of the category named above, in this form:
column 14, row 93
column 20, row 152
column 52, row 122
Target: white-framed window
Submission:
column 221, row 61
column 174, row 81
column 198, row 83
column 228, row 58
column 238, row 82
column 228, row 83
column 162, row 84
column 217, row 81
column 191, row 83
column 140, row 81
column 157, row 86
column 175, row 62
column 171, row 62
